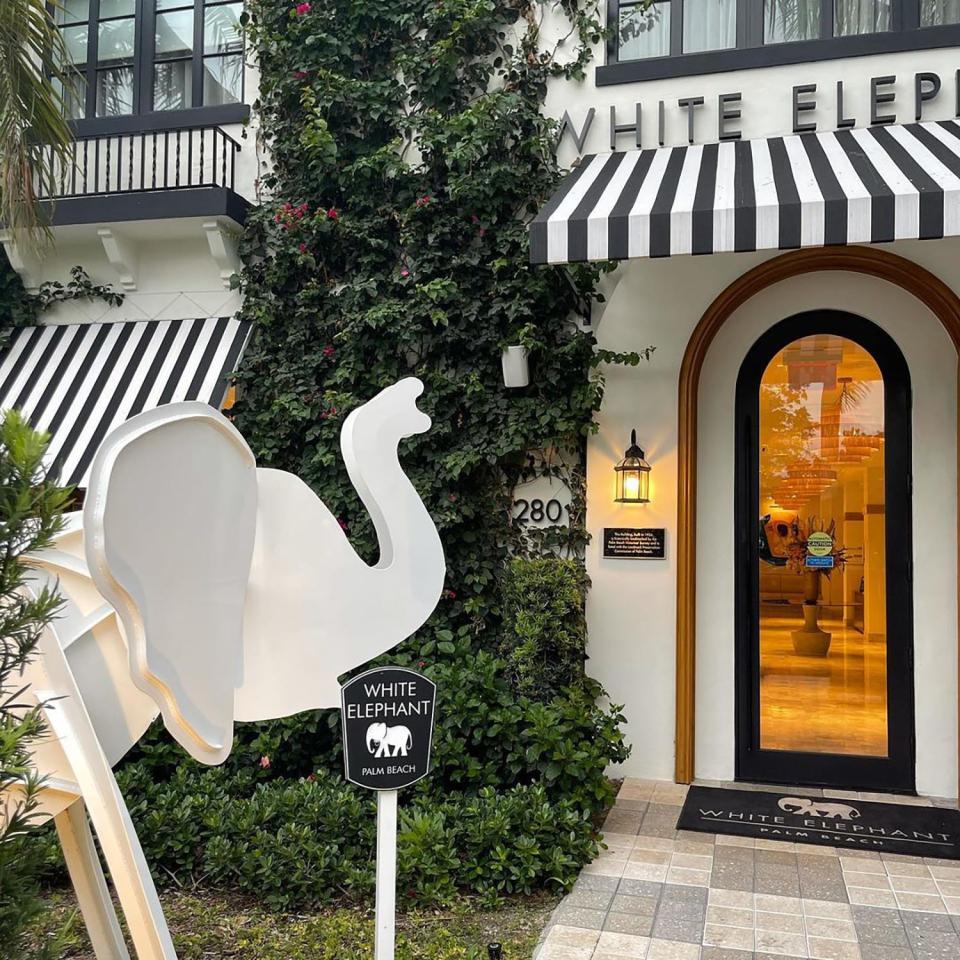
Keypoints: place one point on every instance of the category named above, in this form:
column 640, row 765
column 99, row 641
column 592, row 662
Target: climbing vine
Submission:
column 408, row 151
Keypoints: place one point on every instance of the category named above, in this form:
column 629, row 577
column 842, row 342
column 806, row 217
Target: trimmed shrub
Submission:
column 296, row 843
column 545, row 630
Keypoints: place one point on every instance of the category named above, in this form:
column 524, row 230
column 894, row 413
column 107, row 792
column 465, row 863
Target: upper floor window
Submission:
column 727, row 34
column 143, row 56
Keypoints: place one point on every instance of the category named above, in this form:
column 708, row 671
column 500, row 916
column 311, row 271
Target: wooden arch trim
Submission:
column 920, row 283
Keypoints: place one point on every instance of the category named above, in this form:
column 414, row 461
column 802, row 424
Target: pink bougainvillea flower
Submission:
column 343, row 524
column 302, row 8
column 303, row 248
column 301, row 74
column 404, row 272
column 265, row 762
column 453, row 498
column 328, row 351
column 423, row 201
column 333, row 214
column 421, row 663
column 450, row 594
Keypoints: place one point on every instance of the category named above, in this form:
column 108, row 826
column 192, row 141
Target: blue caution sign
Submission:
column 823, row 562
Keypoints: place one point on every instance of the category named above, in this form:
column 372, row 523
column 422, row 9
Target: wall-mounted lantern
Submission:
column 633, row 474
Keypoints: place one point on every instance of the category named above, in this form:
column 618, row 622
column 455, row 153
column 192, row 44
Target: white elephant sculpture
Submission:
column 804, row 807
column 382, row 737
column 209, row 590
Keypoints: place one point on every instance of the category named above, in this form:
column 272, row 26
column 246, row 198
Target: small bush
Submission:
column 30, row 509
column 545, row 630
column 295, row 843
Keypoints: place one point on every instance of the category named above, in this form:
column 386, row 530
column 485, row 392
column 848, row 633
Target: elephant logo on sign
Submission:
column 380, row 738
column 802, row 807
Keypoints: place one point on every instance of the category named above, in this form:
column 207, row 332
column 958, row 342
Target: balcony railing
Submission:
column 143, row 162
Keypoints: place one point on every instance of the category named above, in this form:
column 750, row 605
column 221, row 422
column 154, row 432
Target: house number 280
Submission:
column 538, row 510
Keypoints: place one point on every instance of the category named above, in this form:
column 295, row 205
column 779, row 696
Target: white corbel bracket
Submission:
column 223, row 249
column 25, row 263
column 121, row 255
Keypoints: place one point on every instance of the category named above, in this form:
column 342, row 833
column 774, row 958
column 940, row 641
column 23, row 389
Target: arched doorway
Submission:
column 824, row 625
column 919, row 283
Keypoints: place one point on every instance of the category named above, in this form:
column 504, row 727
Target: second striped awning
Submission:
column 78, row 381
column 868, row 185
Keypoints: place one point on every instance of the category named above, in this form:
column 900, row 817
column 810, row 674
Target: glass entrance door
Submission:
column 824, row 625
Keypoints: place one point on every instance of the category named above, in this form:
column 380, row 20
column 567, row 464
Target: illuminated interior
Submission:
column 823, row 636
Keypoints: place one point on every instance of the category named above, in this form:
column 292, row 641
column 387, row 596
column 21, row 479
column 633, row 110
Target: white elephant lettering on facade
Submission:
column 380, row 738
column 804, row 807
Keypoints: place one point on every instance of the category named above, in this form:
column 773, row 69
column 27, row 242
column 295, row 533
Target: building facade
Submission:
column 151, row 203
column 779, row 183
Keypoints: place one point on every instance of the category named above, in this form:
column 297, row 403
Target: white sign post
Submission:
column 387, row 716
column 385, row 936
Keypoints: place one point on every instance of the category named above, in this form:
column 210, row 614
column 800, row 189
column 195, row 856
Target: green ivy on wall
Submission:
column 408, row 151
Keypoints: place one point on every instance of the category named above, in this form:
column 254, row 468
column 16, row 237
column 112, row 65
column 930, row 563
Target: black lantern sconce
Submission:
column 633, row 474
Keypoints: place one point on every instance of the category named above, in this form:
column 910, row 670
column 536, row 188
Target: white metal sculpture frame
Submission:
column 209, row 591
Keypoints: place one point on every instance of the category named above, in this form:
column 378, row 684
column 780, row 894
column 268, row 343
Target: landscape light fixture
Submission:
column 633, row 474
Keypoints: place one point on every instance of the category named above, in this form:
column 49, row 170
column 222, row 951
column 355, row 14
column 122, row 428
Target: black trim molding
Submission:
column 163, row 120
column 150, row 205
column 751, row 53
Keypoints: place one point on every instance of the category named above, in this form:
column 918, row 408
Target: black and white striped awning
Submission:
column 78, row 381
column 847, row 186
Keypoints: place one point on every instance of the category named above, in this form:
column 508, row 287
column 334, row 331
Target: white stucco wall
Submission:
column 766, row 99
column 631, row 608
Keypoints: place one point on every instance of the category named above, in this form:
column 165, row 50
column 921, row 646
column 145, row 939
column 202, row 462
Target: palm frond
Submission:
column 34, row 133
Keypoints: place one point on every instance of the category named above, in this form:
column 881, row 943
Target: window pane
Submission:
column 75, row 39
column 174, row 34
column 115, row 92
column 222, row 80
column 71, row 11
column 644, row 33
column 786, row 20
column 116, row 40
column 117, row 8
column 822, row 602
column 74, row 97
column 852, row 17
column 173, row 85
column 934, row 13
column 172, row 4
column 709, row 25
column 221, row 29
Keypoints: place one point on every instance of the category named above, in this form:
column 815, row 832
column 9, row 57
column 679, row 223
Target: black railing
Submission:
column 140, row 162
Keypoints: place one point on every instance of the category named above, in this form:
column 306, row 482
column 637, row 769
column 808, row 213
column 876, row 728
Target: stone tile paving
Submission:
column 658, row 893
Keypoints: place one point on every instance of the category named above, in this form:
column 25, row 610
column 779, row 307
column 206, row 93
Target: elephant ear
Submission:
column 169, row 525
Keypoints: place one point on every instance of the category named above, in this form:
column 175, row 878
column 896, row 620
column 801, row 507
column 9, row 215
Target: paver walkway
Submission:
column 657, row 893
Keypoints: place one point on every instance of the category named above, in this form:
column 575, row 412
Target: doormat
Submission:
column 798, row 818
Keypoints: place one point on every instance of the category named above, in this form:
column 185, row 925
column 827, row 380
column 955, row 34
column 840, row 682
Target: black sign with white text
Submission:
column 387, row 717
column 634, row 543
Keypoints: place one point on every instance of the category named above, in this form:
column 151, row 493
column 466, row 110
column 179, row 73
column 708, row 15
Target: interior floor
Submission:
column 832, row 704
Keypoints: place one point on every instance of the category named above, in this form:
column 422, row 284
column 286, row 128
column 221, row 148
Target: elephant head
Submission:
column 375, row 735
column 219, row 569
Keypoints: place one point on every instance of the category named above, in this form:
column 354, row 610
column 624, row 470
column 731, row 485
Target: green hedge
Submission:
column 296, row 843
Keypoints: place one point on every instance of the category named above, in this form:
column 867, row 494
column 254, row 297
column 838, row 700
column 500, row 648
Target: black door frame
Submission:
column 896, row 772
